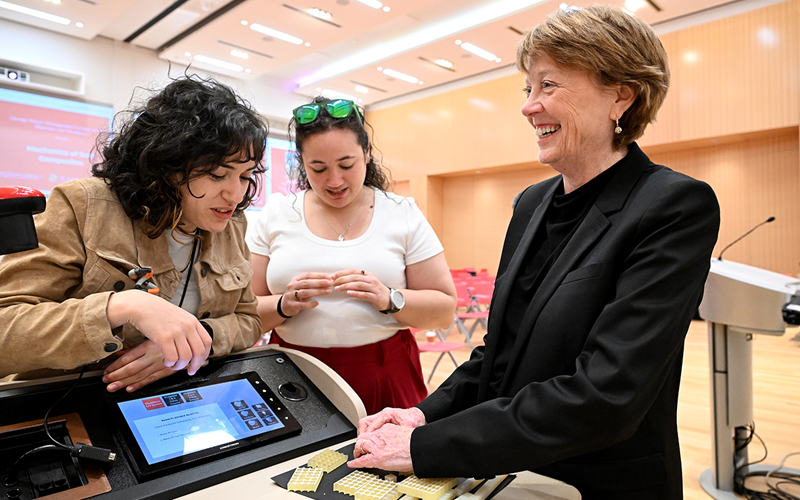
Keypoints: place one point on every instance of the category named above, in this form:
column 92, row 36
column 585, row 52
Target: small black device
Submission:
column 170, row 429
column 791, row 311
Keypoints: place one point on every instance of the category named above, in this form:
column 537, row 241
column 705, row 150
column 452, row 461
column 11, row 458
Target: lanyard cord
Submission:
column 189, row 275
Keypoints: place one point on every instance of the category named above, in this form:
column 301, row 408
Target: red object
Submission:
column 20, row 200
column 384, row 374
column 18, row 192
column 437, row 345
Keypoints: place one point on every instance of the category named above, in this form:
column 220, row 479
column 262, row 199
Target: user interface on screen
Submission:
column 217, row 416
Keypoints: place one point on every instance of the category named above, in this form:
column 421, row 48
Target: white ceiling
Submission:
column 342, row 53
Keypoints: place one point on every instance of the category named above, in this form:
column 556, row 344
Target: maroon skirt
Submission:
column 386, row 374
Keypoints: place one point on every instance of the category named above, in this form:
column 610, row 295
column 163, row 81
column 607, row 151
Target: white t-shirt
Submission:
column 398, row 235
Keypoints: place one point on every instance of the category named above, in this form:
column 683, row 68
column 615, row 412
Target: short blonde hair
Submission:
column 616, row 47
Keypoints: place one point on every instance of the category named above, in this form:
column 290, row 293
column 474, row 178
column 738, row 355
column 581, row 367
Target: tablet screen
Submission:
column 213, row 417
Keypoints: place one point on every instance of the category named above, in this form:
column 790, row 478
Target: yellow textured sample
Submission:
column 328, row 460
column 304, row 479
column 378, row 490
column 353, row 482
column 426, row 489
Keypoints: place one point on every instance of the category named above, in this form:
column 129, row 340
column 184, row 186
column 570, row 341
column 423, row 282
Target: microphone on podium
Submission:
column 745, row 234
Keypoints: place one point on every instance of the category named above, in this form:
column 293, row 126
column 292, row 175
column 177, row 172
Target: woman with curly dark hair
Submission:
column 343, row 267
column 146, row 260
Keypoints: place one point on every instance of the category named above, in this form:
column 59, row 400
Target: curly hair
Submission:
column 376, row 176
column 617, row 48
column 182, row 132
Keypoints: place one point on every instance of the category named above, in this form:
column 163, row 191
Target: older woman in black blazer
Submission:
column 601, row 272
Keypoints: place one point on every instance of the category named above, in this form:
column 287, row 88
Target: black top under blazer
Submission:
column 591, row 389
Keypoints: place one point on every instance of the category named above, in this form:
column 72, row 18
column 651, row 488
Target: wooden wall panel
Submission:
column 666, row 128
column 474, row 127
column 738, row 74
column 476, row 212
column 753, row 180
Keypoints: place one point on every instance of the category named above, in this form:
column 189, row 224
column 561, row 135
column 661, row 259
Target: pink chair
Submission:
column 473, row 312
column 482, row 291
column 436, row 343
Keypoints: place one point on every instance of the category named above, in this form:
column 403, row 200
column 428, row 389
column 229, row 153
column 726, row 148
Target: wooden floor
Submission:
column 776, row 387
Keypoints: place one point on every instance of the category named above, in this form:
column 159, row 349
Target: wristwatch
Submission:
column 396, row 301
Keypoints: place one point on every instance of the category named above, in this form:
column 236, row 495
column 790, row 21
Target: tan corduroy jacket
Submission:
column 53, row 299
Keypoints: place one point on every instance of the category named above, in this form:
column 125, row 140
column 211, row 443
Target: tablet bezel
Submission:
column 290, row 426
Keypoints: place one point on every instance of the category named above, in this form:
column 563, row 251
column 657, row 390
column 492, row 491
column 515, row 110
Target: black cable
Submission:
column 77, row 450
column 47, row 415
column 775, row 492
column 12, row 473
column 189, row 274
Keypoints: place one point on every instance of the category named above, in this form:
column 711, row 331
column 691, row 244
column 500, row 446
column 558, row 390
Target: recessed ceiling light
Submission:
column 362, row 89
column 187, row 54
column 400, row 76
column 380, row 68
column 468, row 18
column 244, row 23
column 458, row 42
column 634, row 5
column 276, row 34
column 217, row 62
column 321, row 14
column 375, row 4
column 247, row 70
column 563, row 6
column 239, row 53
column 443, row 63
column 35, row 13
column 478, row 51
column 386, row 8
column 79, row 25
column 307, row 44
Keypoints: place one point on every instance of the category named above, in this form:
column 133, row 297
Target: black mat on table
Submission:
column 325, row 489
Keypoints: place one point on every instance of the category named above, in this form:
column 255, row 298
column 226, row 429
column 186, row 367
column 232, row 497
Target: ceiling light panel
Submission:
column 93, row 17
column 355, row 19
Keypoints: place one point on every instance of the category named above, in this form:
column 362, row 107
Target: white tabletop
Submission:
column 259, row 485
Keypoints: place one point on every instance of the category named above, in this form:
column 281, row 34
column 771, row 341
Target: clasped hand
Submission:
column 357, row 283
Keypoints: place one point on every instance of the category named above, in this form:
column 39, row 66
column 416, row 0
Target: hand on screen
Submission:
column 411, row 418
column 362, row 285
column 135, row 368
column 180, row 336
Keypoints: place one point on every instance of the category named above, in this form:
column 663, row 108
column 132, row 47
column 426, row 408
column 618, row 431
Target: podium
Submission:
column 739, row 302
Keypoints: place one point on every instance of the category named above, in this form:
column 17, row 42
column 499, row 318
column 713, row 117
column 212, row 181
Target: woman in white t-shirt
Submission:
column 342, row 268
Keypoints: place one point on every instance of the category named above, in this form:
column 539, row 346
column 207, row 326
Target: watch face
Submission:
column 398, row 301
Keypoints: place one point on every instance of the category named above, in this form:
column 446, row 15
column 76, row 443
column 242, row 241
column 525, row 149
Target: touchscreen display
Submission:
column 209, row 418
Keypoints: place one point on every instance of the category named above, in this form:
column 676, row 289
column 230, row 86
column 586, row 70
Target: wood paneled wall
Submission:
column 731, row 118
column 754, row 180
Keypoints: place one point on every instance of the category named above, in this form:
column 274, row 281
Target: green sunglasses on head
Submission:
column 340, row 108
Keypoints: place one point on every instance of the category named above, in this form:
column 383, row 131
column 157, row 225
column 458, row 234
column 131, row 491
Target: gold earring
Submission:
column 618, row 130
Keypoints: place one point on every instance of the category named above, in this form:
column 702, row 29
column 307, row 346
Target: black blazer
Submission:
column 590, row 393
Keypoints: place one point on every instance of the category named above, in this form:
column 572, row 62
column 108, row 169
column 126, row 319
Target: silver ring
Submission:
column 296, row 297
